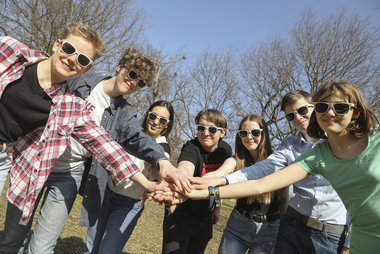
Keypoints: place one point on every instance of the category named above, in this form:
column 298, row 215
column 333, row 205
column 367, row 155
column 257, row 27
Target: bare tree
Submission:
column 38, row 23
column 314, row 52
column 208, row 83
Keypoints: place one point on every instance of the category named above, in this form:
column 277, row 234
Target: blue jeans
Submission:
column 118, row 217
column 61, row 191
column 242, row 234
column 295, row 237
column 5, row 166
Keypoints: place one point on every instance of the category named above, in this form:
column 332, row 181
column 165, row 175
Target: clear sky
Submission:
column 198, row 24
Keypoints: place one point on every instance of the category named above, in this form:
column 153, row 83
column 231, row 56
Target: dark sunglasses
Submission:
column 133, row 75
column 69, row 50
column 301, row 111
column 162, row 120
column 340, row 108
column 211, row 129
column 255, row 133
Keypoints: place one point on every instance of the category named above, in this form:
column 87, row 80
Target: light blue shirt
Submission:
column 314, row 195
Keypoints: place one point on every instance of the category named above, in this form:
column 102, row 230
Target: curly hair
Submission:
column 141, row 63
column 89, row 34
column 359, row 126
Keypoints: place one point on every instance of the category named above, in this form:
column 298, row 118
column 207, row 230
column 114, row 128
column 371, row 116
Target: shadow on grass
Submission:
column 72, row 245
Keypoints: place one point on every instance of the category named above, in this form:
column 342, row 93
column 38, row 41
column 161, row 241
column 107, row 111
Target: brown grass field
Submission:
column 146, row 238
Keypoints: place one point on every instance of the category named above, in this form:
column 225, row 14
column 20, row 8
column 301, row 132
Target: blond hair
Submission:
column 87, row 33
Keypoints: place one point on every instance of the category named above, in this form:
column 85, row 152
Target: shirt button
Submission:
column 39, row 154
column 43, row 141
column 35, row 171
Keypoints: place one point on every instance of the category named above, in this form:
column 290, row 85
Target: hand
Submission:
column 180, row 179
column 202, row 183
column 345, row 250
column 215, row 215
column 153, row 187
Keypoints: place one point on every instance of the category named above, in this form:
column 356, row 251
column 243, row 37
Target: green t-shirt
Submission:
column 357, row 182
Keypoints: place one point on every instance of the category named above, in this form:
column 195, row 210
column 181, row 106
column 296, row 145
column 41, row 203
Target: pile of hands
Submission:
column 170, row 192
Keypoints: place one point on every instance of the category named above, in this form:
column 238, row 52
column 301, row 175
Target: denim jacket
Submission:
column 120, row 121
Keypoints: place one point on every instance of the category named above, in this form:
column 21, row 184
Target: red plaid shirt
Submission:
column 36, row 153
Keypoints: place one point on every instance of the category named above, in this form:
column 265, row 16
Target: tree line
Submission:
column 250, row 79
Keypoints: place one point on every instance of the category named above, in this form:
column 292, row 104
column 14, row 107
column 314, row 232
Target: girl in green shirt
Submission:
column 349, row 159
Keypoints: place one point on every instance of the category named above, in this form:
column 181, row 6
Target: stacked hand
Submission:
column 169, row 193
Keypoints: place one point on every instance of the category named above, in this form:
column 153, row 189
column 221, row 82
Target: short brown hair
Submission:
column 89, row 34
column 360, row 126
column 142, row 63
column 214, row 116
column 293, row 96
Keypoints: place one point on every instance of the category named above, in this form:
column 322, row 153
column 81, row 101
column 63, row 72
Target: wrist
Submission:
column 221, row 181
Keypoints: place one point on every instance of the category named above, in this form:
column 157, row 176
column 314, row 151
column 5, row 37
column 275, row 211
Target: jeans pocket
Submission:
column 274, row 224
column 332, row 239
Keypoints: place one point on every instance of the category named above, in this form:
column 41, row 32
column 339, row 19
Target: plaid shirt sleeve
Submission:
column 110, row 155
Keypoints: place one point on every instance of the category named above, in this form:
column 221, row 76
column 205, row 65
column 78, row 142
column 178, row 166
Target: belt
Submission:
column 316, row 224
column 256, row 217
column 6, row 147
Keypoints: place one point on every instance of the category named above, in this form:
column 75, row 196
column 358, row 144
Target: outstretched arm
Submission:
column 283, row 178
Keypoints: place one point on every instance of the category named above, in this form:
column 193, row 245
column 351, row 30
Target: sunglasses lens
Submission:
column 152, row 116
column 341, row 108
column 163, row 121
column 132, row 75
column 321, row 107
column 67, row 48
column 141, row 84
column 256, row 133
column 83, row 60
column 290, row 116
column 201, row 128
column 243, row 134
column 303, row 110
column 212, row 130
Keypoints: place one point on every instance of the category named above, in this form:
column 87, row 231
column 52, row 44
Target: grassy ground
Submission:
column 146, row 238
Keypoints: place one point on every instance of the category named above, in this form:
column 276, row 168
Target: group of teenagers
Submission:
column 65, row 130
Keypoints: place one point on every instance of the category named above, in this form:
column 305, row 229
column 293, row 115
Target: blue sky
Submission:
column 198, row 24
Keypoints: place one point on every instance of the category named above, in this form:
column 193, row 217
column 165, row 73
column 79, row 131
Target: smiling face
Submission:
column 154, row 128
column 300, row 122
column 124, row 84
column 209, row 141
column 330, row 122
column 250, row 142
column 66, row 66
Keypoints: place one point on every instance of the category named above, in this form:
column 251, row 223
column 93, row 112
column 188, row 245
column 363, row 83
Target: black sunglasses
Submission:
column 162, row 120
column 255, row 133
column 340, row 108
column 211, row 129
column 301, row 111
column 69, row 50
column 133, row 75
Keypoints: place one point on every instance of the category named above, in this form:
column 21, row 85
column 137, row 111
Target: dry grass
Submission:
column 146, row 238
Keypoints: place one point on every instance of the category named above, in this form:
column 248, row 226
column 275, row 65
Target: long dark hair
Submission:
column 243, row 156
column 168, row 128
